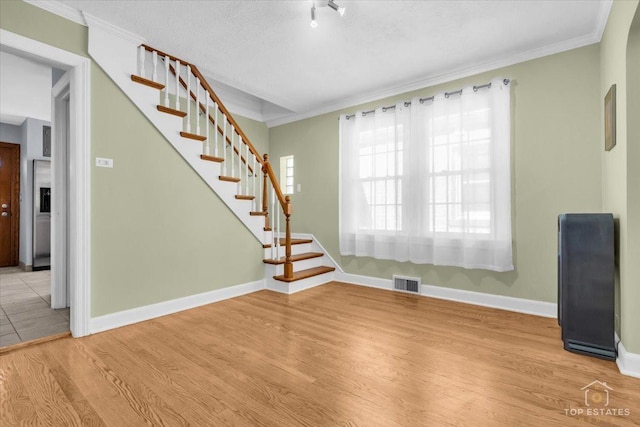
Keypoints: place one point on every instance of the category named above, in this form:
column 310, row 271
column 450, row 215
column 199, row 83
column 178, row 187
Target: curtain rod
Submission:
column 431, row 98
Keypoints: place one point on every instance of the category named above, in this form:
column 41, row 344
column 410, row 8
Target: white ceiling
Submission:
column 268, row 50
column 25, row 89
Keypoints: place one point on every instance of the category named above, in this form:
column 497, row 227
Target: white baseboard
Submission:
column 371, row 282
column 628, row 363
column 520, row 305
column 140, row 314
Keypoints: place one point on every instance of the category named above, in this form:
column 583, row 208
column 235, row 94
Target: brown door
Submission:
column 9, row 203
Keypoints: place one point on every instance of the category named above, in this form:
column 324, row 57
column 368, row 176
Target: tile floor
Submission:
column 25, row 307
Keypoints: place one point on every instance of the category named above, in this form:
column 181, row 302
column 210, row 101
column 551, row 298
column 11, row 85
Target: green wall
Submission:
column 158, row 232
column 257, row 132
column 619, row 172
column 556, row 168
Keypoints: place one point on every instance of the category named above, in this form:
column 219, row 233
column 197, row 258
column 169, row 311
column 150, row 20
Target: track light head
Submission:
column 314, row 23
column 337, row 8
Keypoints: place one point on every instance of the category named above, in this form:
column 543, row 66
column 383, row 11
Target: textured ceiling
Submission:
column 268, row 49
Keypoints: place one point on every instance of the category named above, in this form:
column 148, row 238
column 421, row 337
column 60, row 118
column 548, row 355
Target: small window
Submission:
column 286, row 174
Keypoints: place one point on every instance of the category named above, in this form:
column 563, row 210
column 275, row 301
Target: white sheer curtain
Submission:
column 429, row 181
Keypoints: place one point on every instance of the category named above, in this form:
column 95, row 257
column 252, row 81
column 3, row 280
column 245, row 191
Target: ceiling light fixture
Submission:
column 337, row 8
column 314, row 23
column 323, row 3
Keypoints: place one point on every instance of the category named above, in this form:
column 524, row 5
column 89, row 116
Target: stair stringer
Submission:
column 116, row 54
column 271, row 270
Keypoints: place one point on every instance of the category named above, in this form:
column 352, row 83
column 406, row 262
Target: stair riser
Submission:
column 301, row 285
column 295, row 249
column 301, row 265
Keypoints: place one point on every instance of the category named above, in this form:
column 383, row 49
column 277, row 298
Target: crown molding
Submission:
column 60, row 9
column 442, row 78
column 95, row 22
column 85, row 19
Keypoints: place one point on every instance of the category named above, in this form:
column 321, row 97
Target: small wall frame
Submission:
column 610, row 119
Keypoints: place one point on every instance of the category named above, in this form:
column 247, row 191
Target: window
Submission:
column 286, row 174
column 380, row 175
column 429, row 182
column 459, row 172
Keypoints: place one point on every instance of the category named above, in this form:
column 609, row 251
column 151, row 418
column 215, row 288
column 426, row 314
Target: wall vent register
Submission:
column 406, row 284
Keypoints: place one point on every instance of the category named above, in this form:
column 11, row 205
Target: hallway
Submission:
column 25, row 307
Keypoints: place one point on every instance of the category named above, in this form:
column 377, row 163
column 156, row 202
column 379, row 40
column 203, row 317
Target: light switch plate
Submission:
column 104, row 163
column 299, row 188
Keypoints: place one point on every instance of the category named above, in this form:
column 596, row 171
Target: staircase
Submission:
column 180, row 92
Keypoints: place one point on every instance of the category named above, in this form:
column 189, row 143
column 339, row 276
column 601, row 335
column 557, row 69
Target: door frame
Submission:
column 15, row 204
column 61, row 94
column 79, row 233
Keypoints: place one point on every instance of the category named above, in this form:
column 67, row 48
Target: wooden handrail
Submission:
column 213, row 121
column 212, row 94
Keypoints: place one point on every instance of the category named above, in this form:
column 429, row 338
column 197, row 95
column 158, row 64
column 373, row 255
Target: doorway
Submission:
column 35, row 298
column 9, row 204
column 78, row 252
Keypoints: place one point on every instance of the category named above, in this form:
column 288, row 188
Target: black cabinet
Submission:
column 586, row 283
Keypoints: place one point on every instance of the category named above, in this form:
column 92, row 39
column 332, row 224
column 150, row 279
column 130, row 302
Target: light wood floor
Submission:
column 334, row 355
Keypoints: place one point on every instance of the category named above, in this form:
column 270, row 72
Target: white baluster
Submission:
column 233, row 130
column 154, row 74
column 274, row 246
column 215, row 128
column 177, row 84
column 255, row 175
column 188, row 98
column 224, row 143
column 141, row 53
column 246, row 169
column 277, row 214
column 239, row 161
column 197, row 106
column 207, row 144
column 166, row 81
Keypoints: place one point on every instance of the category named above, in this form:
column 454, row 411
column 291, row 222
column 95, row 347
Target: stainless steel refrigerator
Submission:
column 41, row 214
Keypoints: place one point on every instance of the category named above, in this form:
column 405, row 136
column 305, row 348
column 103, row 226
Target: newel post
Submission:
column 288, row 265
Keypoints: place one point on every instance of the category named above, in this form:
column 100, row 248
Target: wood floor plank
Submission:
column 102, row 390
column 86, row 414
column 16, row 407
column 336, row 354
column 49, row 401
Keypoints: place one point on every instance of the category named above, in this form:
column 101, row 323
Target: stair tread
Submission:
column 305, row 274
column 258, row 213
column 294, row 258
column 193, row 136
column 211, row 158
column 244, row 197
column 293, row 242
column 147, row 82
column 168, row 110
column 228, row 178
